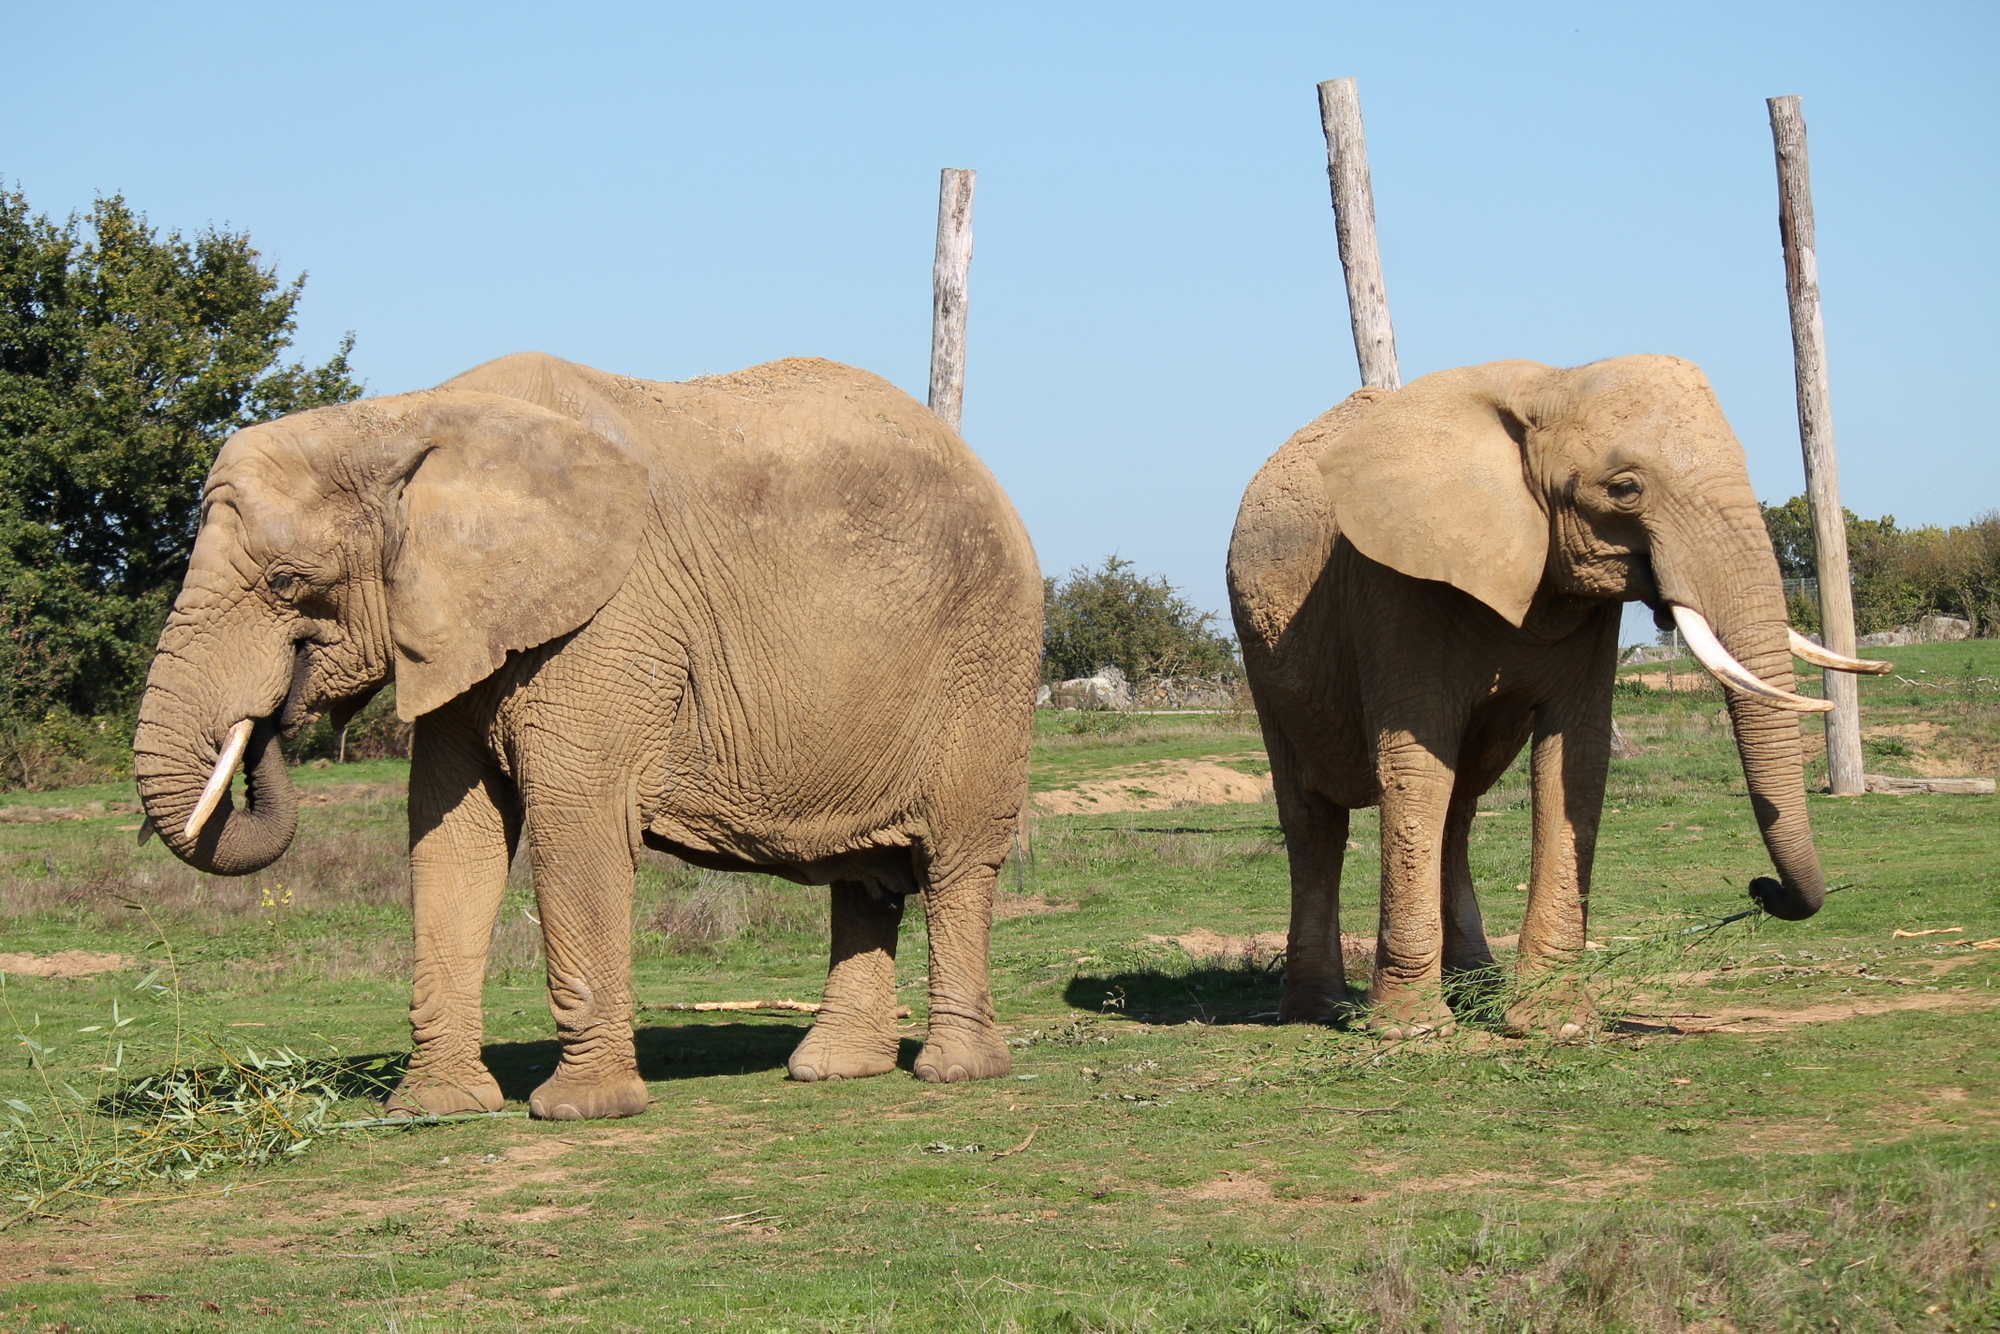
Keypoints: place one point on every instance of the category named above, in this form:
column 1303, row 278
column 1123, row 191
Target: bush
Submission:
column 1899, row 575
column 1138, row 624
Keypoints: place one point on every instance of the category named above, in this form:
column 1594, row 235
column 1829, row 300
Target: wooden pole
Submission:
column 1836, row 594
column 1354, row 223
column 948, row 293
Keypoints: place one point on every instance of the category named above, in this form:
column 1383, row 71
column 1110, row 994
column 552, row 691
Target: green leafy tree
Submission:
column 1898, row 574
column 126, row 359
column 1137, row 623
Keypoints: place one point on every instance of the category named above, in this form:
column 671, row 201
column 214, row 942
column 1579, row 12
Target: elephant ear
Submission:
column 513, row 527
column 1433, row 483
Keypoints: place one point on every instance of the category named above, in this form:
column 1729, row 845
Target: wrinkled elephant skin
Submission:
column 781, row 620
column 1427, row 580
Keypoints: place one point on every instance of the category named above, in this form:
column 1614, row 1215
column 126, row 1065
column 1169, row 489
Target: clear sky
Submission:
column 666, row 190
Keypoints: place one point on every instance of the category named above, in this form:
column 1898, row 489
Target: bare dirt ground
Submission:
column 65, row 963
column 1159, row 786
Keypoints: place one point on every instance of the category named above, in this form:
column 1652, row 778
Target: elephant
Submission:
column 1425, row 580
column 779, row 620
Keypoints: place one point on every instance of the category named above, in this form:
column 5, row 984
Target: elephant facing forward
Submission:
column 781, row 620
column 1424, row 581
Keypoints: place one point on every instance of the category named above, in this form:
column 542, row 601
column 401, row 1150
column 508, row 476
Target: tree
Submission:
column 126, row 359
column 1139, row 624
column 1899, row 574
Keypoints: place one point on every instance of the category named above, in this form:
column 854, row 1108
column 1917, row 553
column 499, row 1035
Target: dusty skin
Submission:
column 780, row 620
column 1426, row 581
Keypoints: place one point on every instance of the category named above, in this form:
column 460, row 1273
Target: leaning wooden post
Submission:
column 948, row 283
column 1836, row 594
column 1354, row 223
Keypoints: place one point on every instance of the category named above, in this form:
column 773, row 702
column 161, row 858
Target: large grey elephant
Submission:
column 781, row 620
column 1424, row 580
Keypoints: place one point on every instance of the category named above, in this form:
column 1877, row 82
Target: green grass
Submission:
column 1164, row 1158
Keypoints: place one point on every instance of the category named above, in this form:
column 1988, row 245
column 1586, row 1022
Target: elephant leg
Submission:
column 855, row 1034
column 584, row 863
column 1316, row 844
column 1406, row 998
column 464, row 820
column 1465, row 947
column 963, row 1042
column 1570, row 764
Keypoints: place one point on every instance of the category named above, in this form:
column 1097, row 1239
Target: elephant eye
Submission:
column 282, row 584
column 1623, row 488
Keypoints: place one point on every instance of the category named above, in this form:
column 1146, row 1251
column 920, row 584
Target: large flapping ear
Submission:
column 1432, row 483
column 513, row 526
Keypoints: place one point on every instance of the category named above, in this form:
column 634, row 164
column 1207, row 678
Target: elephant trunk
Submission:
column 230, row 841
column 1735, row 586
column 198, row 695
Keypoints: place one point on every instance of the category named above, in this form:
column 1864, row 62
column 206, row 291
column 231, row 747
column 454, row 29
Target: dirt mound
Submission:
column 1206, row 946
column 1162, row 786
column 65, row 963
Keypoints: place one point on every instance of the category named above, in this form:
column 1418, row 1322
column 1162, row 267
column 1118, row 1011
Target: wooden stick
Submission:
column 802, row 1007
column 949, row 274
column 1836, row 594
column 1354, row 224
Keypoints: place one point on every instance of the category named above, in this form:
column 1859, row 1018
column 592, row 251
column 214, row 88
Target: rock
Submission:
column 1904, row 787
column 1186, row 692
column 1108, row 689
column 1641, row 653
column 1042, row 697
column 1929, row 630
column 1943, row 630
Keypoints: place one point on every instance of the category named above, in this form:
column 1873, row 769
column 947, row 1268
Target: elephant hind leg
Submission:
column 963, row 1041
column 1316, row 839
column 855, row 1034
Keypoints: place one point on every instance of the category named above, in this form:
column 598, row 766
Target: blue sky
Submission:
column 666, row 190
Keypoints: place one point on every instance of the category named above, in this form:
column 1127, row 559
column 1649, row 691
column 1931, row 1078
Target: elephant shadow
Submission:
column 681, row 1051
column 1218, row 994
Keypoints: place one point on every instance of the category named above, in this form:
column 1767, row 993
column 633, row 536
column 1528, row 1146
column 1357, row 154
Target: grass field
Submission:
column 1794, row 1126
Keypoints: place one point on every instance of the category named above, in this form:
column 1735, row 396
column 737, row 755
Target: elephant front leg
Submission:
column 963, row 1042
column 1406, row 998
column 583, row 864
column 1569, row 774
column 854, row 1034
column 463, row 822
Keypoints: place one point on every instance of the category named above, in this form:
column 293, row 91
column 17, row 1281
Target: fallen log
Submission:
column 801, row 1007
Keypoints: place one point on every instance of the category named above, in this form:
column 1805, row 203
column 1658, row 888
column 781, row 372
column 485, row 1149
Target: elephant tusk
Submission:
column 1826, row 657
column 218, row 782
column 1708, row 650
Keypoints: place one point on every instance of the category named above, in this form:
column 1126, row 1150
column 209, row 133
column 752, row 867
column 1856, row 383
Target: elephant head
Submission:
column 419, row 539
column 1619, row 480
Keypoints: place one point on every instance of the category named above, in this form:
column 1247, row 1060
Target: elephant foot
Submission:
column 954, row 1054
column 444, row 1093
column 1316, row 1003
column 1398, row 1017
column 1563, row 1019
column 824, row 1054
column 568, row 1095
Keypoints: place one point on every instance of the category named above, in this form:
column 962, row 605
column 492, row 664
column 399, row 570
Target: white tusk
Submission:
column 1708, row 650
column 218, row 782
column 1826, row 657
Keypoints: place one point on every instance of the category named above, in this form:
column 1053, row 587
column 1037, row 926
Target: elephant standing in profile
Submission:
column 781, row 620
column 1425, row 580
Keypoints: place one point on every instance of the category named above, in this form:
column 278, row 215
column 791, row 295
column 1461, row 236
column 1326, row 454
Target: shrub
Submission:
column 1139, row 624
